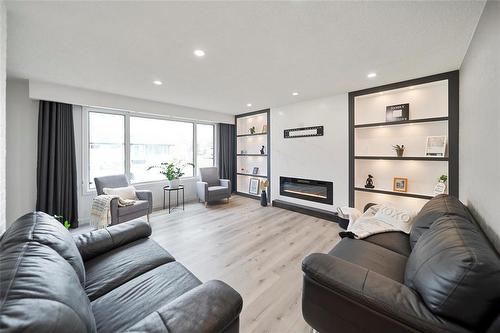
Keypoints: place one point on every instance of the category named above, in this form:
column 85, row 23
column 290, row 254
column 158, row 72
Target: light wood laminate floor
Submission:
column 257, row 250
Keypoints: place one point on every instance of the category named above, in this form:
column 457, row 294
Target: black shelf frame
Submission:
column 400, row 194
column 403, row 122
column 452, row 119
column 267, row 112
column 404, row 158
column 255, row 134
column 250, row 175
column 265, row 155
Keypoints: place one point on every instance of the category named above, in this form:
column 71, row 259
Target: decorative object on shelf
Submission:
column 440, row 187
column 399, row 150
column 397, row 112
column 252, row 130
column 400, row 184
column 253, row 186
column 264, row 129
column 172, row 171
column 435, row 145
column 262, row 150
column 255, row 170
column 243, row 152
column 242, row 170
column 303, row 132
column 263, row 195
column 369, row 182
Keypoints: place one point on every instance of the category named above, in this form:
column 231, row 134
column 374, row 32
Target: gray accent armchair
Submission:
column 142, row 206
column 211, row 188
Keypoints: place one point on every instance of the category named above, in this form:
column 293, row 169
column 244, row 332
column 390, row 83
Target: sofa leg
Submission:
column 147, row 217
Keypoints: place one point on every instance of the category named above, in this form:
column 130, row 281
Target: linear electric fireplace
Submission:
column 307, row 189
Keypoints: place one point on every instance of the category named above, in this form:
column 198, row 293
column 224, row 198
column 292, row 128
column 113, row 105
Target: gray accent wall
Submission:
column 480, row 123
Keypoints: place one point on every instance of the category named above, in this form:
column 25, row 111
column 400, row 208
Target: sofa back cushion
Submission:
column 40, row 291
column 438, row 206
column 456, row 271
column 44, row 229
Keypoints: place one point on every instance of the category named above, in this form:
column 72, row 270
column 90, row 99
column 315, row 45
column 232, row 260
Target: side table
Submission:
column 169, row 190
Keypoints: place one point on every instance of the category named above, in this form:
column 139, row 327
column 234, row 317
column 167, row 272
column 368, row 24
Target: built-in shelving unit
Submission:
column 248, row 146
column 433, row 111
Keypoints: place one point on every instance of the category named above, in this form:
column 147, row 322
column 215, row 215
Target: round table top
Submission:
column 166, row 187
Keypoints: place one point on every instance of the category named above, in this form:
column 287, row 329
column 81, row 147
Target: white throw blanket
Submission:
column 100, row 215
column 377, row 219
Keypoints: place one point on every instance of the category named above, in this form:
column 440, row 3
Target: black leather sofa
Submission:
column 443, row 277
column 110, row 280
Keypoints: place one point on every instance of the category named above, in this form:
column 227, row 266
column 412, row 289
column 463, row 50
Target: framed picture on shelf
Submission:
column 253, row 186
column 435, row 146
column 255, row 171
column 400, row 184
column 397, row 112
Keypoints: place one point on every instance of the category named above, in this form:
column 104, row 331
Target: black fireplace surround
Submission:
column 307, row 189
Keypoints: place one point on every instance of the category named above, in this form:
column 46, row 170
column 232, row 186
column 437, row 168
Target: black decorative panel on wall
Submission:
column 303, row 132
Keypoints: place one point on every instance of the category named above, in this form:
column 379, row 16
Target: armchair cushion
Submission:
column 127, row 192
column 100, row 241
column 140, row 207
column 210, row 176
column 110, row 182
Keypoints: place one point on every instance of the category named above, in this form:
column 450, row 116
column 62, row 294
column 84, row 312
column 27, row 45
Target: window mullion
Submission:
column 127, row 145
column 195, row 150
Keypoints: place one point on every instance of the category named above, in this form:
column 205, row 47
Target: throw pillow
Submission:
column 127, row 193
column 396, row 217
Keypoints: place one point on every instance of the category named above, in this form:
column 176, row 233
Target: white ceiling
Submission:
column 256, row 52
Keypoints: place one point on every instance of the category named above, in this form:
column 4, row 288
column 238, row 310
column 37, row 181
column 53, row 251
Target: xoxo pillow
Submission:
column 396, row 217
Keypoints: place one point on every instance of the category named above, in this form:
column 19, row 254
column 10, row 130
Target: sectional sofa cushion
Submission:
column 438, row 206
column 40, row 227
column 456, row 271
column 394, row 240
column 112, row 269
column 134, row 300
column 40, row 291
column 372, row 257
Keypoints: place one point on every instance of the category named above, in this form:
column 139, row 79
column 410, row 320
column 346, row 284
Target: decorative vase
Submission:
column 400, row 152
column 263, row 198
column 174, row 183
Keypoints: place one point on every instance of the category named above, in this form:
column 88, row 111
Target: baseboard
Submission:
column 316, row 212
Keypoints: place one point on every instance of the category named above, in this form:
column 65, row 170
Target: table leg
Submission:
column 177, row 200
column 169, row 201
column 182, row 198
column 163, row 199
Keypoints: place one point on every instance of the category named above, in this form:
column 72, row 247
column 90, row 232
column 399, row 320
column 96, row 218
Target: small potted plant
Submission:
column 440, row 187
column 172, row 171
column 399, row 150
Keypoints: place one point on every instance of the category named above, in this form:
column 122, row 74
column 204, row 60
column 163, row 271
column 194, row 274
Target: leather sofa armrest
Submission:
column 226, row 183
column 211, row 307
column 363, row 299
column 202, row 190
column 100, row 241
column 147, row 196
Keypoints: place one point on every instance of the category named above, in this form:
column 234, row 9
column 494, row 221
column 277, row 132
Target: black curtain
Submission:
column 56, row 168
column 227, row 153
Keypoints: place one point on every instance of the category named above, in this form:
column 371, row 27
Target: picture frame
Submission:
column 400, row 184
column 255, row 171
column 397, row 112
column 253, row 186
column 264, row 129
column 436, row 146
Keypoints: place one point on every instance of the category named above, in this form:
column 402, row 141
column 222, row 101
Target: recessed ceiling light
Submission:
column 199, row 53
column 249, row 104
column 158, row 82
column 371, row 75
column 295, row 93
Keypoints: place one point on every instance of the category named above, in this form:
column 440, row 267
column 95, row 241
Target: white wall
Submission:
column 3, row 59
column 22, row 124
column 321, row 158
column 480, row 123
column 22, row 131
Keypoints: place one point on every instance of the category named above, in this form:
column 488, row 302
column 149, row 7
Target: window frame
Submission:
column 86, row 110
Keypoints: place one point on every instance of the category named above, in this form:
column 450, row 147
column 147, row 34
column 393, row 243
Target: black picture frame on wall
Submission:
column 452, row 119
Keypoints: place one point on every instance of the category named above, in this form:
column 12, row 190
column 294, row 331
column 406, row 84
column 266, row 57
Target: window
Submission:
column 204, row 145
column 122, row 142
column 106, row 145
column 153, row 141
